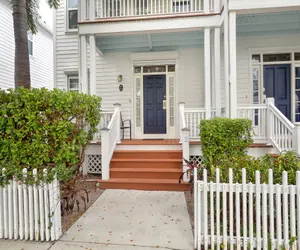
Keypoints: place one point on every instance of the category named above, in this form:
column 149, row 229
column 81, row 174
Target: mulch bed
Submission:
column 90, row 184
column 189, row 197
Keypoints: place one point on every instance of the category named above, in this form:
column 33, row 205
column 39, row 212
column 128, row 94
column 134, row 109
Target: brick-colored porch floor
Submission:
column 150, row 142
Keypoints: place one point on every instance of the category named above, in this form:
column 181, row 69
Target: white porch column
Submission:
column 92, row 10
column 217, row 71
column 207, row 76
column 232, row 58
column 206, row 6
column 82, row 11
column 83, row 65
column 92, row 65
column 226, row 60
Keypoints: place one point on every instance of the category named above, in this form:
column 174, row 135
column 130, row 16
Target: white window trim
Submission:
column 274, row 50
column 67, row 17
column 30, row 40
column 69, row 77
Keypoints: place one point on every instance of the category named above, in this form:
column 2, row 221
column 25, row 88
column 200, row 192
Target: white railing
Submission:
column 127, row 8
column 246, row 216
column 192, row 119
column 110, row 136
column 184, row 139
column 257, row 113
column 30, row 212
column 105, row 119
column 280, row 129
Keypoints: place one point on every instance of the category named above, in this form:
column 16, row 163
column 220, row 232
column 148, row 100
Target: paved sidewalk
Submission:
column 130, row 220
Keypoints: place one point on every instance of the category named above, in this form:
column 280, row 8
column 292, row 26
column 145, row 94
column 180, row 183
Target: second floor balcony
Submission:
column 93, row 10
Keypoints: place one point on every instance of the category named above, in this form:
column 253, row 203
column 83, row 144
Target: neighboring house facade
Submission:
column 213, row 57
column 40, row 51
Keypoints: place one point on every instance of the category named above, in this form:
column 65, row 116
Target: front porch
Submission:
column 210, row 71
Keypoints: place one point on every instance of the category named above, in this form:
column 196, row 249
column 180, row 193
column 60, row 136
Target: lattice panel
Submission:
column 196, row 158
column 94, row 164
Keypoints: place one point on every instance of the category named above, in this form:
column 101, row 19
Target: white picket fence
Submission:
column 30, row 212
column 246, row 216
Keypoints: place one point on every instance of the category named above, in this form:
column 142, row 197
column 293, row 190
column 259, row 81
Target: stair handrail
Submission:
column 110, row 137
column 280, row 128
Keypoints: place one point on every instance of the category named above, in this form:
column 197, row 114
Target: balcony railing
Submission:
column 96, row 9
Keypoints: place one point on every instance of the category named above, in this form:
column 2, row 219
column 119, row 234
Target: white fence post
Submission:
column 117, row 108
column 105, row 153
column 195, row 207
column 185, row 151
column 269, row 123
column 296, row 138
column 181, row 111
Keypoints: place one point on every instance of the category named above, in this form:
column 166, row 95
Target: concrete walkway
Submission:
column 131, row 220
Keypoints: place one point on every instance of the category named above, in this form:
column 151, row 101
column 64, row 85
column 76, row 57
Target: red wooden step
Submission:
column 144, row 184
column 147, row 154
column 146, row 163
column 146, row 173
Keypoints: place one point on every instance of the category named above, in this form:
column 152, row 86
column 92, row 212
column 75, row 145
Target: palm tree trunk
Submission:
column 22, row 66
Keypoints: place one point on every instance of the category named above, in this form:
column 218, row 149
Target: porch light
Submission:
column 120, row 78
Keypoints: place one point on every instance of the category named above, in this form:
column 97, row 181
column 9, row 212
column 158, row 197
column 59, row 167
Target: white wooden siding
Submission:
column 244, row 90
column 258, row 4
column 66, row 48
column 190, row 79
column 41, row 63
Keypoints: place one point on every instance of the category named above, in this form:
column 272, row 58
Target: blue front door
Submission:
column 277, row 83
column 154, row 112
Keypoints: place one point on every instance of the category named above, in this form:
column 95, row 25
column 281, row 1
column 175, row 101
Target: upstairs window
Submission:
column 30, row 43
column 73, row 83
column 72, row 14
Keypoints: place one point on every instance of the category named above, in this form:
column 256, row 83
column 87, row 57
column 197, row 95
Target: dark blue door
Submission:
column 154, row 113
column 277, row 84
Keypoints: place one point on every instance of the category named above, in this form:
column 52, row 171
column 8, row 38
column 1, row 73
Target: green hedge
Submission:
column 41, row 128
column 224, row 145
column 223, row 139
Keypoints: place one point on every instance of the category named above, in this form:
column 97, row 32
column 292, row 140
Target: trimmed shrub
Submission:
column 224, row 139
column 40, row 129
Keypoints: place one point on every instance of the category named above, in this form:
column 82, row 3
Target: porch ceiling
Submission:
column 150, row 42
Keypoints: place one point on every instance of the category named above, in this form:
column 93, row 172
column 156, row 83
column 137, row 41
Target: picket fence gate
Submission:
column 246, row 216
column 30, row 212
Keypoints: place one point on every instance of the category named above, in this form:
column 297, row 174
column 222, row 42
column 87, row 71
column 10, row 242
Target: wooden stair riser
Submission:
column 149, row 154
column 145, row 175
column 146, row 186
column 143, row 164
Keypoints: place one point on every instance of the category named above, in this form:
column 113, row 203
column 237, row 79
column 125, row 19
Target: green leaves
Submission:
column 225, row 143
column 42, row 128
column 223, row 138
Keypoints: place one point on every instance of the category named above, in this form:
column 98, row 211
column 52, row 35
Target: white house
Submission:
column 171, row 63
column 40, row 50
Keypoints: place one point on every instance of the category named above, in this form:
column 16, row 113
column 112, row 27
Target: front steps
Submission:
column 146, row 170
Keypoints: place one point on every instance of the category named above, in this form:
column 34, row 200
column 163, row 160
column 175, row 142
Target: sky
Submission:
column 46, row 13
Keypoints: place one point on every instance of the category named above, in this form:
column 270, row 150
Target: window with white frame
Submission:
column 256, row 84
column 72, row 14
column 73, row 83
column 297, row 87
column 30, row 42
column 172, row 100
